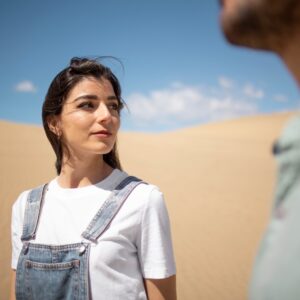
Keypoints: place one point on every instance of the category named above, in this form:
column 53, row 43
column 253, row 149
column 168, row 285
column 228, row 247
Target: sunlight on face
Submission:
column 90, row 119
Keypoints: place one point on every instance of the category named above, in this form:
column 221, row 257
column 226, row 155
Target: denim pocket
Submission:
column 52, row 281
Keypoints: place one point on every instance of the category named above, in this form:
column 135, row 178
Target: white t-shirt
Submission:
column 137, row 244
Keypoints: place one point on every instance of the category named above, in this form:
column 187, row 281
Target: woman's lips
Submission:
column 102, row 133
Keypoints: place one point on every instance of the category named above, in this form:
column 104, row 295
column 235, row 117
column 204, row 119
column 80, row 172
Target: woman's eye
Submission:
column 114, row 106
column 86, row 105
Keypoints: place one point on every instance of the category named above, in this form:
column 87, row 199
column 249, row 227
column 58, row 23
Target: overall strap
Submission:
column 32, row 212
column 110, row 208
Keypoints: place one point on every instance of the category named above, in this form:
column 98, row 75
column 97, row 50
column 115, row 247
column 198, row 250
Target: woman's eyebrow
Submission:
column 94, row 97
column 112, row 97
column 86, row 96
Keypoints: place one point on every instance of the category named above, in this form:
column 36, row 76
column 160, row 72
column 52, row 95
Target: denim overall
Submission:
column 48, row 272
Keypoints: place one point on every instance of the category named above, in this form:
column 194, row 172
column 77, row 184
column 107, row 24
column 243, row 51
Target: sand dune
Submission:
column 217, row 180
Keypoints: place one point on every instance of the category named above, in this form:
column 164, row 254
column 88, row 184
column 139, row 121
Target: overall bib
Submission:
column 51, row 272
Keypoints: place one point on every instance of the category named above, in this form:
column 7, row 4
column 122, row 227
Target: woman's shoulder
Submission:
column 20, row 202
column 18, row 207
column 22, row 197
column 148, row 194
column 149, row 189
column 118, row 176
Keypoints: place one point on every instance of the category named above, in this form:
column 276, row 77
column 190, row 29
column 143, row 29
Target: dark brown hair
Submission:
column 58, row 91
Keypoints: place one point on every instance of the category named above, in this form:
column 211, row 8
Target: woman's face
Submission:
column 89, row 121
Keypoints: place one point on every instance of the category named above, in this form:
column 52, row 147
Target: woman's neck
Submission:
column 77, row 172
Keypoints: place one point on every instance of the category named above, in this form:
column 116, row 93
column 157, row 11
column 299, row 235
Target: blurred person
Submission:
column 274, row 25
column 93, row 232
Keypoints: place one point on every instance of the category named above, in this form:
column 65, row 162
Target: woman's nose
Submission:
column 103, row 113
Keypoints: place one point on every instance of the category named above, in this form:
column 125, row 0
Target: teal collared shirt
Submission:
column 276, row 274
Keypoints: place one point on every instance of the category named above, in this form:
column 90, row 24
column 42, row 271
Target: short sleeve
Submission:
column 154, row 242
column 16, row 228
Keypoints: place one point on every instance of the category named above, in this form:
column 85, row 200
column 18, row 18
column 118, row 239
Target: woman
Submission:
column 93, row 232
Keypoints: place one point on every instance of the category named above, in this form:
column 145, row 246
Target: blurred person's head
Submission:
column 261, row 24
column 272, row 25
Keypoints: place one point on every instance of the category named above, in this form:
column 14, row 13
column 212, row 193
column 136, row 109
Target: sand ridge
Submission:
column 217, row 180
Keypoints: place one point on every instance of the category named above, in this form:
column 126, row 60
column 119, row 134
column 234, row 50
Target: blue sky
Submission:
column 178, row 69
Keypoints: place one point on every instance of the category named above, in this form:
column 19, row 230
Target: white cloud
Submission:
column 181, row 105
column 280, row 98
column 253, row 92
column 25, row 86
column 225, row 82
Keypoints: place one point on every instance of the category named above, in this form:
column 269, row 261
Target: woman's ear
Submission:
column 54, row 125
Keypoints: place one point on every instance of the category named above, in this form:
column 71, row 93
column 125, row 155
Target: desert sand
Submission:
column 217, row 180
